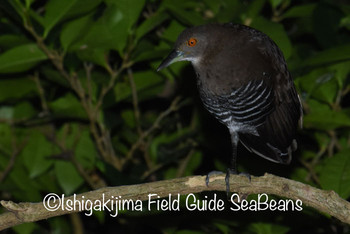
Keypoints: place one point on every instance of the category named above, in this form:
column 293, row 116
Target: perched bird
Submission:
column 244, row 82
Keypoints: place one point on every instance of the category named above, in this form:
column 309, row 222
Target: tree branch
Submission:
column 324, row 201
column 174, row 106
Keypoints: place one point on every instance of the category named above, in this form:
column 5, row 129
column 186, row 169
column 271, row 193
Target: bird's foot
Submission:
column 227, row 177
column 233, row 172
column 210, row 174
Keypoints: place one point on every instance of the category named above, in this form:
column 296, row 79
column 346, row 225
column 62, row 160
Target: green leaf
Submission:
column 276, row 32
column 326, row 19
column 150, row 23
column 8, row 41
column 5, row 136
column 94, row 54
column 131, row 10
column 109, row 32
column 327, row 91
column 335, row 173
column 299, row 174
column 230, row 11
column 335, row 54
column 122, row 91
column 148, row 84
column 172, row 32
column 214, row 5
column 17, row 6
column 36, row 16
column 114, row 26
column 223, row 228
column 85, row 151
column 24, row 110
column 129, row 118
column 21, row 58
column 148, row 53
column 59, row 225
column 275, row 3
column 55, row 77
column 322, row 117
column 75, row 30
column 27, row 189
column 26, row 228
column 16, row 88
column 69, row 133
column 320, row 84
column 182, row 14
column 166, row 138
column 342, row 70
column 36, row 154
column 345, row 22
column 68, row 177
column 55, row 11
column 298, row 11
column 193, row 164
column 82, row 7
column 60, row 10
column 67, row 106
column 254, row 8
column 268, row 228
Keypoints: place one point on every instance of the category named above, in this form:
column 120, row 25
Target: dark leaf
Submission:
column 21, row 58
column 68, row 176
column 335, row 173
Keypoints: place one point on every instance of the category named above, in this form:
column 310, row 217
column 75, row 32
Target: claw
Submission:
column 210, row 174
column 233, row 172
column 227, row 177
column 246, row 175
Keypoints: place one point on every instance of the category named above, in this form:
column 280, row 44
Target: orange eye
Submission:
column 192, row 42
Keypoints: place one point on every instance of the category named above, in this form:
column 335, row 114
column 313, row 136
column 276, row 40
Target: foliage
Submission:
column 83, row 107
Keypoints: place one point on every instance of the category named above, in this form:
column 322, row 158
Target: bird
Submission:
column 244, row 82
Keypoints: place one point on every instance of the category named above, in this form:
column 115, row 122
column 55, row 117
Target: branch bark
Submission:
column 324, row 201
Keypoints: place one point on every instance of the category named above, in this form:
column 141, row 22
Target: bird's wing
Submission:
column 276, row 139
column 266, row 126
column 250, row 104
column 246, row 106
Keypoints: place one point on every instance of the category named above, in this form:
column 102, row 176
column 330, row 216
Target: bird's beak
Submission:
column 173, row 57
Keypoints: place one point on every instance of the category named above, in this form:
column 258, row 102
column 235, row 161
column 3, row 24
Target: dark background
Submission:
column 83, row 107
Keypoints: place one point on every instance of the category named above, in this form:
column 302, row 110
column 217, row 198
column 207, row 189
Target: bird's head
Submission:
column 189, row 46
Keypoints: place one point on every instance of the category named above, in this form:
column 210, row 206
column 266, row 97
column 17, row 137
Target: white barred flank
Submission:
column 247, row 105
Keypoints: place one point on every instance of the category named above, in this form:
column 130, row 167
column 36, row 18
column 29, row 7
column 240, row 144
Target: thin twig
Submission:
column 16, row 150
column 96, row 128
column 146, row 154
column 41, row 92
column 88, row 69
column 135, row 101
column 77, row 223
column 113, row 77
column 193, row 144
column 71, row 156
column 310, row 168
column 9, row 165
column 173, row 107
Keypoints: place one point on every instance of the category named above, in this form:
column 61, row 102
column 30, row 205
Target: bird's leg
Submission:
column 233, row 164
column 234, row 142
column 233, row 167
